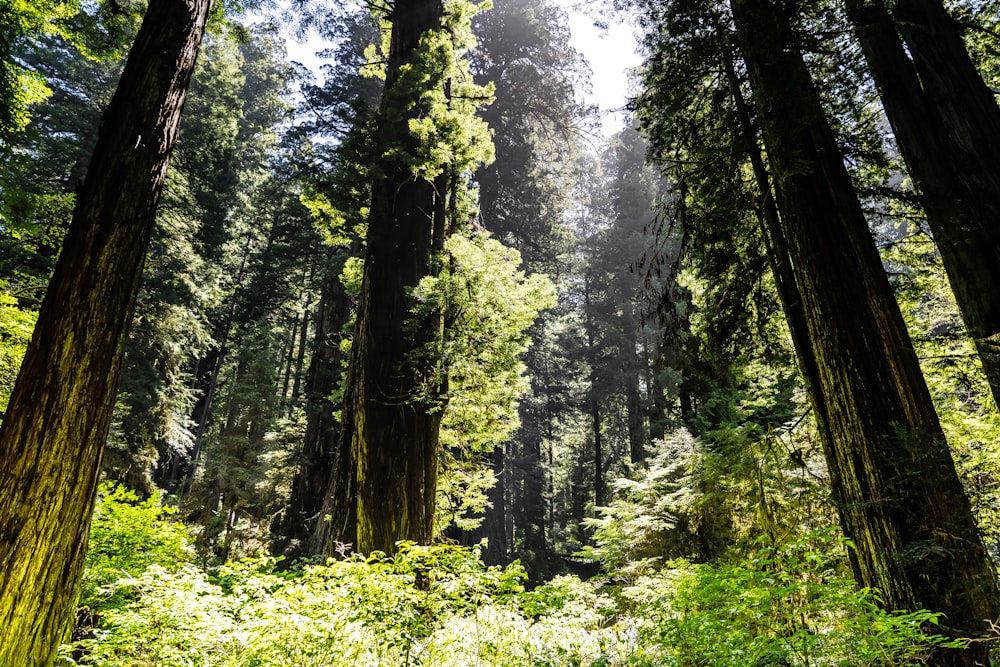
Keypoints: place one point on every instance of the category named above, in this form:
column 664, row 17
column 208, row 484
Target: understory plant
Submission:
column 784, row 606
column 440, row 606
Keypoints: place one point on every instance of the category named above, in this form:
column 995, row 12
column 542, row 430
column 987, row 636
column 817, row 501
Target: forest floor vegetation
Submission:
column 146, row 602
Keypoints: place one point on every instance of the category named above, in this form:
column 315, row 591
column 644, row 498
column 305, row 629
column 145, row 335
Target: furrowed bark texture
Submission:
column 776, row 246
column 947, row 126
column 392, row 427
column 894, row 481
column 57, row 421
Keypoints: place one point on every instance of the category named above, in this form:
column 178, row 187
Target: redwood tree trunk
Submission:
column 947, row 127
column 494, row 526
column 594, row 399
column 319, row 447
column 392, row 425
column 893, row 478
column 57, row 421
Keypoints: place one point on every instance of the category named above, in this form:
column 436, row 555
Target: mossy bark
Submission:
column 893, row 478
column 386, row 475
column 56, row 425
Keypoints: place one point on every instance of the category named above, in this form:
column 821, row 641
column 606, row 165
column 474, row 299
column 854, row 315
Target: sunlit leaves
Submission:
column 16, row 325
column 487, row 303
column 439, row 606
column 19, row 87
column 437, row 93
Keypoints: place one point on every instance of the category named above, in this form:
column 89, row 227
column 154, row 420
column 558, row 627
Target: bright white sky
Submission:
column 611, row 54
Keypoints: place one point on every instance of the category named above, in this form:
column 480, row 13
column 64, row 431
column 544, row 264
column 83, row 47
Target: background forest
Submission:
column 641, row 376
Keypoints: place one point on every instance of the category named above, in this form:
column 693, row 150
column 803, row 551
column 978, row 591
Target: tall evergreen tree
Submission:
column 55, row 428
column 44, row 165
column 337, row 136
column 635, row 192
column 20, row 87
column 947, row 126
column 524, row 51
column 893, row 477
column 427, row 140
column 222, row 175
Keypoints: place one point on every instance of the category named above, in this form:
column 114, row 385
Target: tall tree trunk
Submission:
column 947, row 127
column 493, row 526
column 594, row 399
column 319, row 446
column 529, row 499
column 775, row 243
column 57, row 422
column 893, row 478
column 289, row 356
column 208, row 383
column 633, row 369
column 301, row 357
column 392, row 425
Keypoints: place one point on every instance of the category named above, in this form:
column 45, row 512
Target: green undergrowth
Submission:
column 440, row 605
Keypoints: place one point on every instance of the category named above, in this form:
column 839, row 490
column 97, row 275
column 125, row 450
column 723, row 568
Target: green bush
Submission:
column 440, row 606
column 126, row 537
column 786, row 606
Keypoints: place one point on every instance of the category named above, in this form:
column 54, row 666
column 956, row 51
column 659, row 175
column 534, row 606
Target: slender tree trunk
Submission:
column 492, row 528
column 301, row 356
column 526, row 508
column 319, row 446
column 530, row 502
column 776, row 245
column 657, row 406
column 57, row 422
column 947, row 127
column 636, row 420
column 289, row 356
column 210, row 381
column 595, row 403
column 634, row 367
column 894, row 481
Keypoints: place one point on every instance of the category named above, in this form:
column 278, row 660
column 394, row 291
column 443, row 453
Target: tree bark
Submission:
column 594, row 398
column 894, row 481
column 636, row 419
column 56, row 425
column 947, row 127
column 633, row 367
column 289, row 355
column 494, row 526
column 392, row 421
column 319, row 446
column 301, row 357
column 776, row 245
column 529, row 501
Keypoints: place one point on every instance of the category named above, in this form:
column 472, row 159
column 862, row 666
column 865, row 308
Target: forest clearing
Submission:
column 408, row 360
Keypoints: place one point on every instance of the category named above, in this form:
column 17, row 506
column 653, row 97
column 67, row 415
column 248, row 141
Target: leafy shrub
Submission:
column 786, row 606
column 126, row 537
column 440, row 606
column 379, row 611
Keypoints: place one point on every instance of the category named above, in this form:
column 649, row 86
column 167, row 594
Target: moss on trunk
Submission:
column 56, row 425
